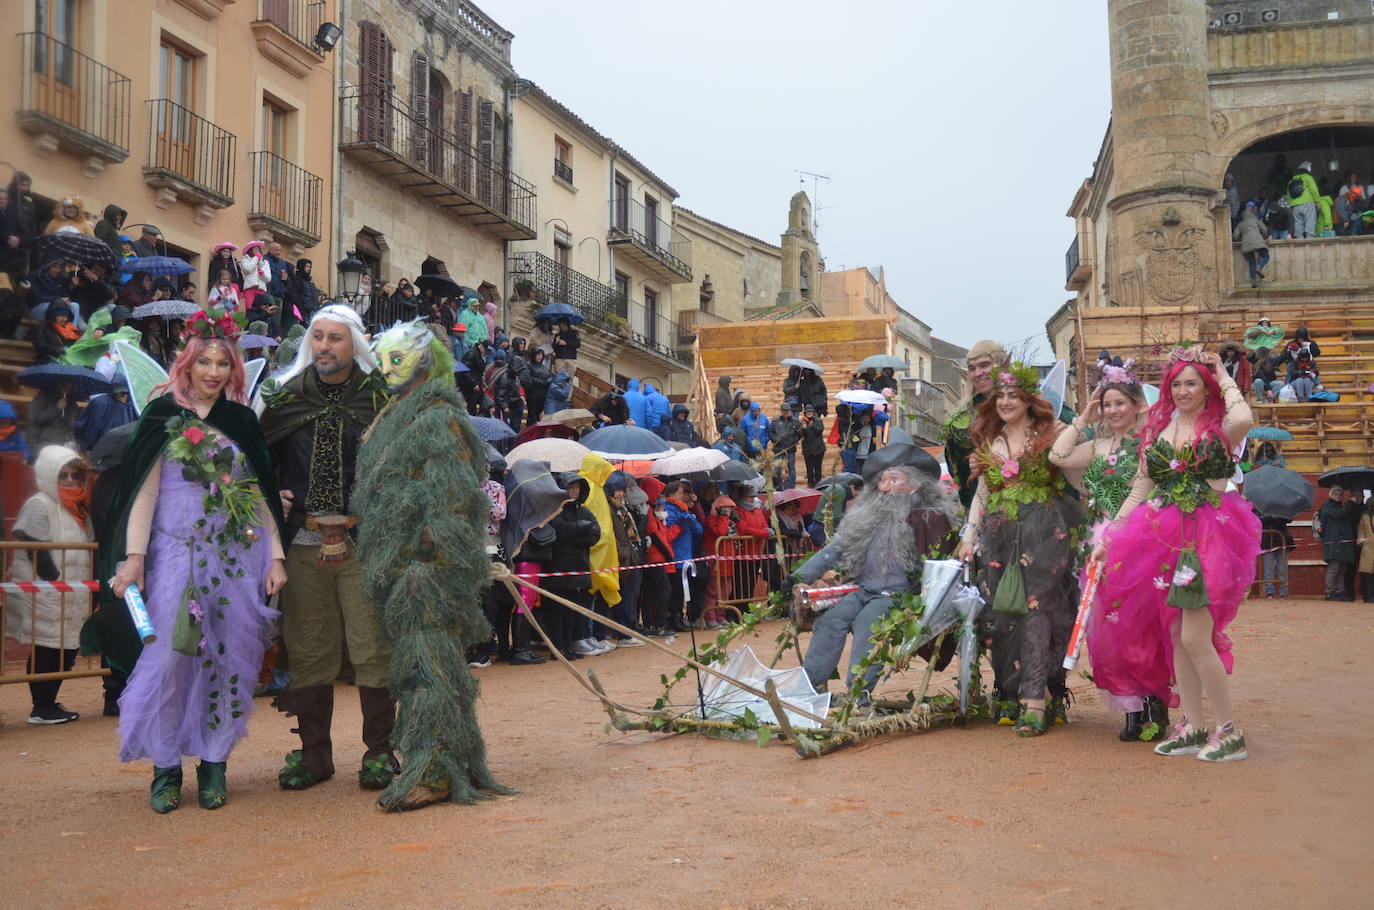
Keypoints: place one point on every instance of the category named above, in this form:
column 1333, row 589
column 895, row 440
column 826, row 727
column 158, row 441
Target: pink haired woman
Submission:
column 196, row 526
column 1180, row 556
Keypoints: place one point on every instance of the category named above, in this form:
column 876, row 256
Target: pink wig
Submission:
column 1208, row 420
column 179, row 376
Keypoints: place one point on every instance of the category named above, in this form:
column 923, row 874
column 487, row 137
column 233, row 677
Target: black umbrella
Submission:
column 109, row 449
column 556, row 311
column 1351, row 477
column 532, row 498
column 72, row 247
column 843, row 478
column 441, row 285
column 1278, row 492
column 733, row 471
column 85, row 382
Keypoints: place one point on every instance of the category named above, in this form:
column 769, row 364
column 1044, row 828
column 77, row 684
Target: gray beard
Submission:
column 877, row 521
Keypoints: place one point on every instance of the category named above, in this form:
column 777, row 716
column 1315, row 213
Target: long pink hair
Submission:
column 179, row 376
column 1208, row 420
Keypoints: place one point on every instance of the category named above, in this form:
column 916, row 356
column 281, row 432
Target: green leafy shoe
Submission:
column 1185, row 740
column 295, row 775
column 210, row 780
column 376, row 773
column 166, row 789
column 1031, row 722
column 1006, row 713
column 1225, row 744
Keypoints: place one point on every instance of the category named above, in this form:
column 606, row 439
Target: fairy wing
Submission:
column 143, row 373
column 1053, row 385
column 252, row 370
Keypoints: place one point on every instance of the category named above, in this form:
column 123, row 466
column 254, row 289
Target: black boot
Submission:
column 1157, row 713
column 379, row 719
column 313, row 762
column 1131, row 733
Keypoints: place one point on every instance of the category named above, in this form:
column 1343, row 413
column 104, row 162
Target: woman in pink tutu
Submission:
column 1180, row 556
column 1107, row 462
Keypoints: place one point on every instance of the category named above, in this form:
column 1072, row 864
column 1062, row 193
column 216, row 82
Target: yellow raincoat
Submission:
column 605, row 560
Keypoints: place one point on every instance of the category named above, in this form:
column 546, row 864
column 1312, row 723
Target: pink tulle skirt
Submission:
column 1129, row 628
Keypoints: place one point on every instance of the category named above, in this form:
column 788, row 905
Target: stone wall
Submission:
column 745, row 271
column 1251, row 13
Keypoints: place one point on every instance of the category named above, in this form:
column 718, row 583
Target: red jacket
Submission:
column 753, row 522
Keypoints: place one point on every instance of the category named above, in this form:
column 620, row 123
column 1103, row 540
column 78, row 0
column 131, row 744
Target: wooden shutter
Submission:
column 419, row 108
column 465, row 141
column 486, row 111
column 374, row 85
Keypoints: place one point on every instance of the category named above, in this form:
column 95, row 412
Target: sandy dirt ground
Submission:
column 952, row 817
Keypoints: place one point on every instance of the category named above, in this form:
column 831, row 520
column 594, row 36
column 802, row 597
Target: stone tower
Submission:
column 801, row 255
column 1162, row 247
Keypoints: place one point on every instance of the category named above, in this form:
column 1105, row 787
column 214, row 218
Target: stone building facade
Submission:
column 735, row 271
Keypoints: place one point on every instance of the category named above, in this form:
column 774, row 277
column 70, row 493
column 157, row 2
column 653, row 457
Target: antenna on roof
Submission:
column 815, row 195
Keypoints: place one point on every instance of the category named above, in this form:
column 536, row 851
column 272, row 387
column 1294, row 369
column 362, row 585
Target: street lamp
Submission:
column 351, row 272
column 327, row 37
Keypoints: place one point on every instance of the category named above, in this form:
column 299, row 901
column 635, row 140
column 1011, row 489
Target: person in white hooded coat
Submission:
column 50, row 621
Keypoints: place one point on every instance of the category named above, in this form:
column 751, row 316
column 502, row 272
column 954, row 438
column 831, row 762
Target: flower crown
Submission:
column 1186, row 353
column 216, row 322
column 1017, row 374
column 1112, row 374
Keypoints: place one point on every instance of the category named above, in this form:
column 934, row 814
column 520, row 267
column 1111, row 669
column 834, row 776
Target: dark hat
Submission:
column 901, row 455
column 809, row 407
column 151, row 229
column 788, row 405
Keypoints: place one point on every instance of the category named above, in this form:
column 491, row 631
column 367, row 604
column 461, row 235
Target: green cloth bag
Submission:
column 1010, row 597
column 186, row 632
column 1187, row 590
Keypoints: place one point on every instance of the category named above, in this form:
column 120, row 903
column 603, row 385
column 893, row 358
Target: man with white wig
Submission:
column 314, row 414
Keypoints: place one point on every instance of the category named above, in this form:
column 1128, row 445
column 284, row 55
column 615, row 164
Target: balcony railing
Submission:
column 84, row 103
column 1077, row 269
column 649, row 240
column 384, row 132
column 562, row 170
column 298, row 18
column 286, row 198
column 687, row 322
column 652, row 332
column 478, row 25
column 190, row 153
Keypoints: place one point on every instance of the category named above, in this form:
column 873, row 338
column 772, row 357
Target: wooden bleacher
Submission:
column 14, row 357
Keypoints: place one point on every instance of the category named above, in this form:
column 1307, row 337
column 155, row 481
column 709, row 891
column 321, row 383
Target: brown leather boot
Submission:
column 313, row 762
column 379, row 719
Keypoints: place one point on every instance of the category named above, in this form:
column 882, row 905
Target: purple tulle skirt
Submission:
column 1129, row 628
column 177, row 704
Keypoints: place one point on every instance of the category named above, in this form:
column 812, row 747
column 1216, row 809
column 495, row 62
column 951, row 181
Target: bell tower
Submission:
column 801, row 256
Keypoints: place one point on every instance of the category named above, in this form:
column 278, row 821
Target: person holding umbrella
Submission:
column 813, row 445
column 1338, row 520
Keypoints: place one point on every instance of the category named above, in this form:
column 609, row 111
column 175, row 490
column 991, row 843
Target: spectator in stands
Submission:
column 559, row 396
column 811, row 390
column 225, row 293
column 680, row 428
column 791, row 384
column 725, row 399
column 138, row 291
column 23, row 226
column 629, row 548
column 108, row 229
column 1350, row 202
column 813, row 445
column 52, row 418
column 576, row 532
column 1279, row 218
column 536, row 384
column 11, row 437
column 1252, row 234
column 884, row 380
column 653, row 596
column 722, row 520
column 90, row 290
column 302, row 295
column 754, row 427
column 70, row 219
column 1265, row 382
column 1236, row 362
column 51, row 339
column 566, row 343
column 505, row 392
column 610, row 409
column 1275, row 542
column 48, row 283
column 636, row 403
column 1302, row 192
column 224, row 259
column 1269, row 454
column 657, row 409
column 684, row 533
column 57, row 512
column 1228, row 186
column 786, row 432
column 148, row 241
column 256, row 274
column 726, row 443
column 279, row 272
column 14, row 259
column 474, row 324
column 1338, row 522
column 1365, row 542
column 740, row 407
column 188, row 291
column 404, row 296
column 1303, row 375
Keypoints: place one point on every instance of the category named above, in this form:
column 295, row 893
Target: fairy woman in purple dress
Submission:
column 199, row 533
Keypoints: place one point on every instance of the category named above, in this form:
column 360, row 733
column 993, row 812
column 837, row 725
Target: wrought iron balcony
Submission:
column 189, row 155
column 1077, row 271
column 83, row 104
column 384, row 134
column 286, row 199
column 562, row 170
column 285, row 33
column 600, row 305
column 649, row 241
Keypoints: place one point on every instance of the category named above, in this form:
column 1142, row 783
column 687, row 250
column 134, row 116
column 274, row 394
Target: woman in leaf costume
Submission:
column 423, row 519
column 197, row 529
column 1023, row 522
column 1107, row 463
column 1180, row 556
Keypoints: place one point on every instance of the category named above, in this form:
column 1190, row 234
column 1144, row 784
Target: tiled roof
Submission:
column 771, row 246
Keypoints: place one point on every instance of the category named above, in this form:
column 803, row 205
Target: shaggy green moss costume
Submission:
column 422, row 518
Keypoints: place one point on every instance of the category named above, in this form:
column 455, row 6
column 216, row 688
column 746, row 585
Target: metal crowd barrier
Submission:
column 16, row 656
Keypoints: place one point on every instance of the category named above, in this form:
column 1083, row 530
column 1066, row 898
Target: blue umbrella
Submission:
column 621, row 442
column 249, row 341
column 85, row 382
column 489, row 429
column 557, row 311
column 157, row 265
column 1274, row 434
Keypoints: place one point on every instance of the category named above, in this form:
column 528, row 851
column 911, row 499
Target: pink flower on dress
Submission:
column 195, row 434
column 1160, row 583
column 1112, row 458
column 1113, row 617
column 1010, row 467
column 196, row 610
column 1184, row 575
column 1176, row 464
column 204, row 643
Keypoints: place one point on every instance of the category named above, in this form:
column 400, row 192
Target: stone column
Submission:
column 1162, row 249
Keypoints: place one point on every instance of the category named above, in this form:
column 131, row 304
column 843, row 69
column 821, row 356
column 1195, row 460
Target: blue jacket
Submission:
column 638, row 404
column 101, row 415
column 682, row 430
column 559, row 396
column 15, row 442
column 689, row 541
column 659, row 411
column 755, row 429
column 726, row 444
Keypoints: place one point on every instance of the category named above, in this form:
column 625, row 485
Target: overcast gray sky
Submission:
column 955, row 135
